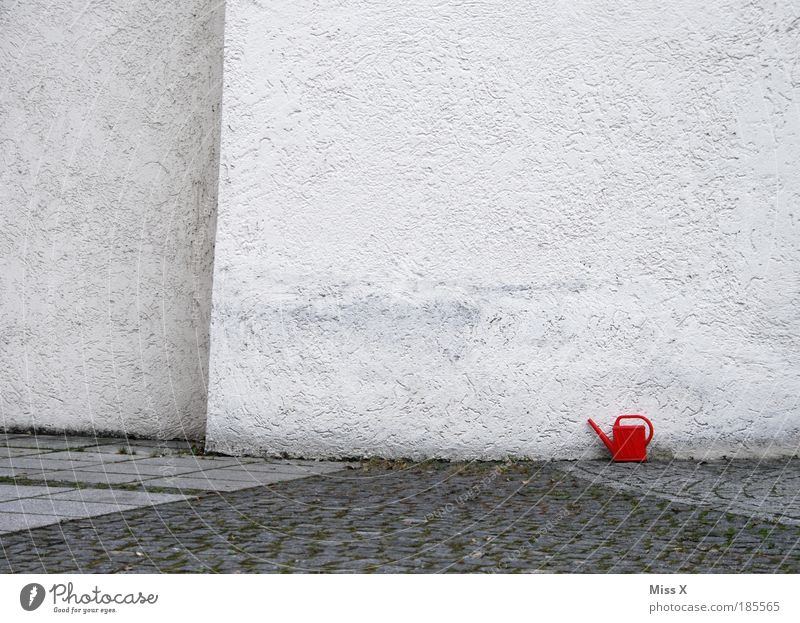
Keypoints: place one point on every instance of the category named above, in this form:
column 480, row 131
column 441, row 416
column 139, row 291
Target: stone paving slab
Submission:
column 196, row 462
column 14, row 522
column 61, row 508
column 141, row 468
column 308, row 468
column 111, row 496
column 139, row 450
column 14, row 492
column 216, row 462
column 10, row 472
column 6, row 452
column 87, row 463
column 88, row 454
column 49, row 442
column 85, row 477
column 40, row 463
column 172, row 443
column 255, row 477
column 200, row 483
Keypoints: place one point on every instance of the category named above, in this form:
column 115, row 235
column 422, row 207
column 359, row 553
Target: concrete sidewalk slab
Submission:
column 200, row 462
column 10, row 472
column 14, row 492
column 49, row 442
column 61, row 508
column 87, row 478
column 256, row 477
column 87, row 455
column 111, row 496
column 143, row 469
column 15, row 522
column 144, row 447
column 307, row 468
column 40, row 463
column 200, row 483
column 138, row 451
column 6, row 452
column 167, row 443
column 89, row 473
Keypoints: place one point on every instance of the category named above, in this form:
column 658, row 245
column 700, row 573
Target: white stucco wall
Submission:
column 458, row 229
column 109, row 141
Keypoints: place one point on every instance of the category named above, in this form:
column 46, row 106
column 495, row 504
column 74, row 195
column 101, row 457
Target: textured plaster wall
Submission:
column 109, row 118
column 458, row 229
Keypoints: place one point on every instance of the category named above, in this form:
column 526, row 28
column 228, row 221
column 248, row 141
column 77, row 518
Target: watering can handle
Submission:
column 639, row 417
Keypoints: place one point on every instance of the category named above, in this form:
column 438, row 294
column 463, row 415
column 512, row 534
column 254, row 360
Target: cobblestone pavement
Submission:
column 435, row 517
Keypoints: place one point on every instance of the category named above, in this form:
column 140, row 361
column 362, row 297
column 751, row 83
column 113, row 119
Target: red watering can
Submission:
column 629, row 443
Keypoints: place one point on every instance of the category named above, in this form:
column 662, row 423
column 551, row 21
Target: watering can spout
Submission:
column 602, row 435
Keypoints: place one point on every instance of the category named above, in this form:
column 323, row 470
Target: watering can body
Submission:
column 629, row 442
